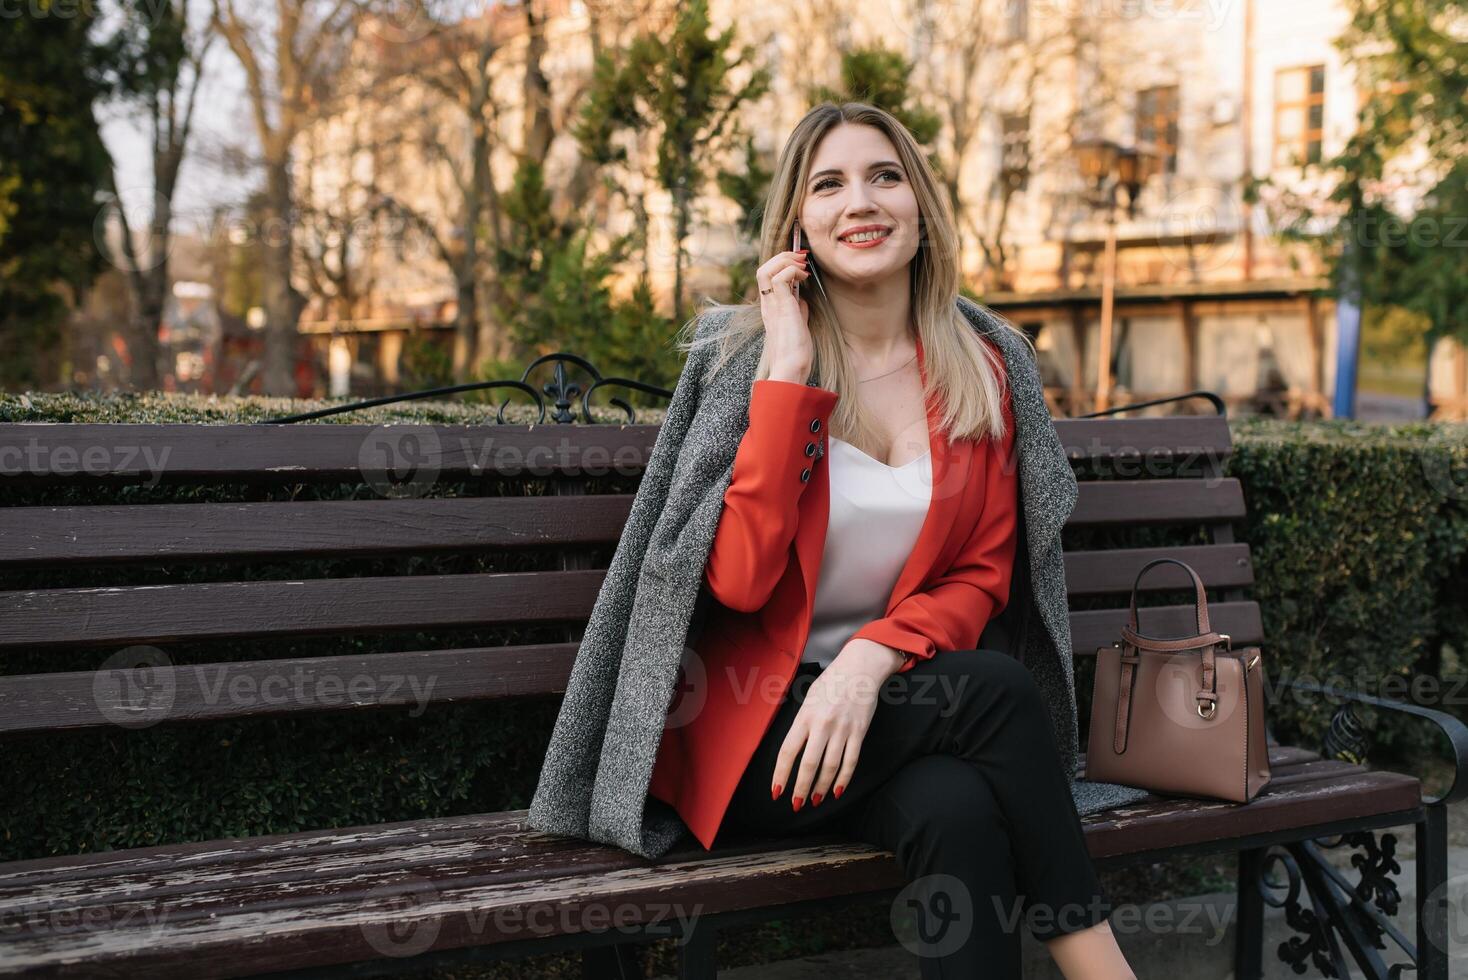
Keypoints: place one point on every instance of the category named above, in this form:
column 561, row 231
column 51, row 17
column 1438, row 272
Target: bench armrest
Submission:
column 1219, row 407
column 1454, row 729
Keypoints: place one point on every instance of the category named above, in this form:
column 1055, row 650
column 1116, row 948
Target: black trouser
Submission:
column 959, row 777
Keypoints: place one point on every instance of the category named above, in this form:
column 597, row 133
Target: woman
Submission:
column 897, row 728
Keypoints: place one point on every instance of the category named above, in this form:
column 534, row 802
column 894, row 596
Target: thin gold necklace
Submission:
column 894, row 370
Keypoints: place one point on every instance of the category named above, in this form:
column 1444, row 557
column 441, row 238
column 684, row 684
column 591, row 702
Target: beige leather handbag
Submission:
column 1179, row 716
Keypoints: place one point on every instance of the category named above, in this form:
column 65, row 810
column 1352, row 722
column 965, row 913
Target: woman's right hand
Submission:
column 787, row 330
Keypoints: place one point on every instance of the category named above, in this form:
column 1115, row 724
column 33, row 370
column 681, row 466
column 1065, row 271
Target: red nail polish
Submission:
column 797, row 803
column 775, row 793
column 838, row 791
column 815, row 799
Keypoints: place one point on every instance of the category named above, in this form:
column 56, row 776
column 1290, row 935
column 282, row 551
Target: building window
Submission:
column 1014, row 151
column 1017, row 20
column 1299, row 115
column 1157, row 123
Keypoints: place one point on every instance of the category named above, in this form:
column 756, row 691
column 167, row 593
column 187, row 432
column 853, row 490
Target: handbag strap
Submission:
column 1129, row 662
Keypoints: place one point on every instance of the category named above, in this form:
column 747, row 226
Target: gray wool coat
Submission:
column 598, row 765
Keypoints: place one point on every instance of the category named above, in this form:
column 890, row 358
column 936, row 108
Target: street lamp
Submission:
column 1108, row 168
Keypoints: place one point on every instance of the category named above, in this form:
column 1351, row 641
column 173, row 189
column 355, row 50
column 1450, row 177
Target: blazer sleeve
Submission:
column 951, row 613
column 772, row 468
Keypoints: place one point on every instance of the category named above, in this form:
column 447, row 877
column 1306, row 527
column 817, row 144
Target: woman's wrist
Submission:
column 794, row 373
column 890, row 659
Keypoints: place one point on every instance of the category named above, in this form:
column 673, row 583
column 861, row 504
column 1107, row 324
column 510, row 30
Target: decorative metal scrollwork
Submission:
column 1341, row 918
column 1347, row 737
column 1313, row 943
column 560, row 389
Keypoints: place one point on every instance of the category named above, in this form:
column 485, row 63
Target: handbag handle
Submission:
column 1206, row 636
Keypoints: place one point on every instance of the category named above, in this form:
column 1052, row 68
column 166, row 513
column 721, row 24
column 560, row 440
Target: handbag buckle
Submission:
column 1228, row 641
column 1212, row 710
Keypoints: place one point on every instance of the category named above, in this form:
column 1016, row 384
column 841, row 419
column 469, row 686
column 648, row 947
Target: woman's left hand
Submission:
column 832, row 722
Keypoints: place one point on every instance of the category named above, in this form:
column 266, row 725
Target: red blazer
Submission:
column 764, row 565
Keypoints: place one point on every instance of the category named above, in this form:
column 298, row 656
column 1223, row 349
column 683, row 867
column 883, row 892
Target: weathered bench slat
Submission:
column 456, row 883
column 1290, row 805
column 216, row 610
column 283, row 453
column 139, row 863
column 185, row 451
column 287, row 934
column 1143, row 503
column 313, row 529
column 93, row 876
column 50, row 618
column 1113, row 572
column 1186, row 439
column 256, row 688
column 235, row 689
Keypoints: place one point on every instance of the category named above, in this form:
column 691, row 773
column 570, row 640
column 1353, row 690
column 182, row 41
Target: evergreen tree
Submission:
column 53, row 166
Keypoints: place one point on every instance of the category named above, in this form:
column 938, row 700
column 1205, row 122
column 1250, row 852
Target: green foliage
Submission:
column 682, row 91
column 148, row 49
column 1409, row 57
column 1359, row 535
column 53, row 166
column 426, row 364
column 1393, row 335
column 748, row 188
column 562, row 302
column 880, row 77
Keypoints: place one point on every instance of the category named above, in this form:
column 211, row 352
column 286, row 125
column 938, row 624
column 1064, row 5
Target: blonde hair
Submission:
column 962, row 368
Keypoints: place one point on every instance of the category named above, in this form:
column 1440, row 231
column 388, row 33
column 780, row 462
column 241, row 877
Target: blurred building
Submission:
column 1211, row 96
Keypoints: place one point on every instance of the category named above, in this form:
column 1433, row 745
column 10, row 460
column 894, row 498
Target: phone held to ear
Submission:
column 796, row 244
column 795, row 247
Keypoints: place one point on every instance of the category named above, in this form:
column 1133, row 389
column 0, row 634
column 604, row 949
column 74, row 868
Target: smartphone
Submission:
column 795, row 247
column 810, row 260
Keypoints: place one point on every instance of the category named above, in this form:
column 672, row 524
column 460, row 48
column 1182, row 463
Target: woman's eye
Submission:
column 830, row 180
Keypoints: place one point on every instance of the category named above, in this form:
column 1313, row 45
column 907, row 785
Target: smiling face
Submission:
column 859, row 212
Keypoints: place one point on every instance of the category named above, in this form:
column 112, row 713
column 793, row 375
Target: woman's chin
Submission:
column 868, row 274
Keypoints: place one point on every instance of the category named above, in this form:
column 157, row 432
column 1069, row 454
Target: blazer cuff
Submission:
column 802, row 411
column 915, row 646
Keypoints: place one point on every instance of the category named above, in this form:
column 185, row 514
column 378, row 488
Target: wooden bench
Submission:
column 419, row 893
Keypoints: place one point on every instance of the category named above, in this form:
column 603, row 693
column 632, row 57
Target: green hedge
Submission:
column 1359, row 535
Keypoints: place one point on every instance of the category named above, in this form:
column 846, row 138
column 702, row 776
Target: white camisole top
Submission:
column 876, row 513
